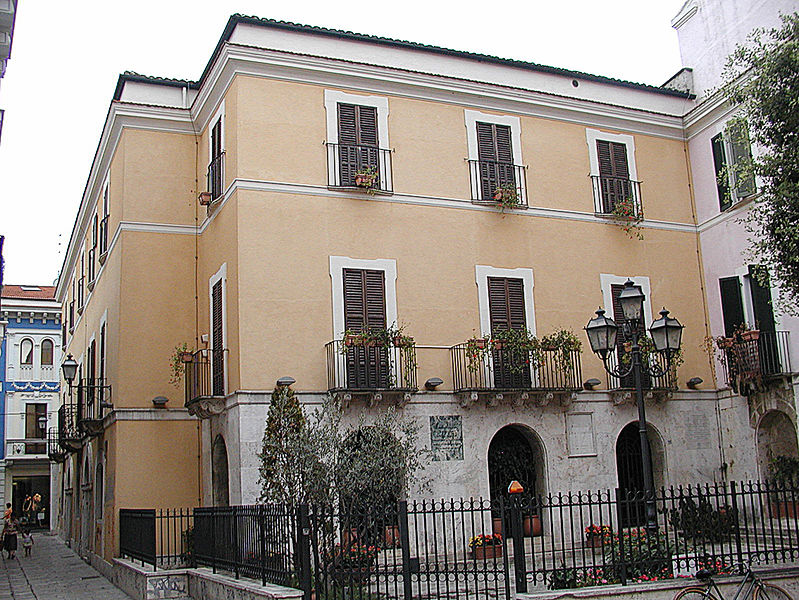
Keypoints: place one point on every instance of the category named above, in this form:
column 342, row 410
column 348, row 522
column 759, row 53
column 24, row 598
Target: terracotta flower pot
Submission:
column 496, row 525
column 751, row 335
column 486, row 552
column 532, row 526
column 186, row 357
column 391, row 536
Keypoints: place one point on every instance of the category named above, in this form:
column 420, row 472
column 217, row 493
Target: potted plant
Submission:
column 521, row 348
column 628, row 217
column 486, row 546
column 562, row 344
column 366, row 178
column 177, row 363
column 507, row 196
column 785, row 476
column 476, row 351
column 596, row 535
column 353, row 562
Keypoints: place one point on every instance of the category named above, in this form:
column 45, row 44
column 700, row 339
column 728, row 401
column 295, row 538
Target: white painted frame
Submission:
column 482, row 273
column 337, row 266
column 220, row 275
column 606, row 280
column 333, row 98
column 591, row 137
column 219, row 116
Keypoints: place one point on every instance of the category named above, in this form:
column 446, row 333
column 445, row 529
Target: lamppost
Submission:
column 70, row 368
column 666, row 335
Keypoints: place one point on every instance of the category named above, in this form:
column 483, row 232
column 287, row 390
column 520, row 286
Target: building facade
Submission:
column 30, row 359
column 314, row 184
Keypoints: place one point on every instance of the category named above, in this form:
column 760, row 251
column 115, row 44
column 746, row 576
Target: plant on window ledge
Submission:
column 177, row 363
column 377, row 337
column 507, row 196
column 366, row 178
column 563, row 343
column 628, row 217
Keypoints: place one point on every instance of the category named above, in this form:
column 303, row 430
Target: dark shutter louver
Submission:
column 507, row 311
column 764, row 320
column 741, row 151
column 719, row 162
column 357, row 140
column 621, row 338
column 495, row 157
column 732, row 309
column 614, row 173
column 217, row 341
column 365, row 308
column 102, row 353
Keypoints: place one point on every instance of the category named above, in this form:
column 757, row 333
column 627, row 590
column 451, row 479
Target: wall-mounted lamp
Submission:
column 591, row 383
column 694, row 382
column 432, row 383
column 285, row 381
column 160, row 401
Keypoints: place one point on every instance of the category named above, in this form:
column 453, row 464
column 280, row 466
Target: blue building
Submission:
column 30, row 355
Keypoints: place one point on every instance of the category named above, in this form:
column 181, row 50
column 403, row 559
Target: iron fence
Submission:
column 198, row 377
column 94, row 400
column 103, row 237
column 492, row 181
column 359, row 165
column 68, row 435
column 358, row 368
column 479, row 549
column 554, row 370
column 667, row 381
column 609, row 191
column 215, row 177
column 748, row 362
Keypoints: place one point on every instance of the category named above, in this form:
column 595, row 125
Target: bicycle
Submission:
column 751, row 586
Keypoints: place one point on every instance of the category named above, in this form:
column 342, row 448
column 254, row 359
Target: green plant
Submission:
column 785, row 470
column 355, row 555
column 628, row 217
column 598, row 531
column 643, row 554
column 698, row 520
column 521, row 349
column 563, row 578
column 507, row 196
column 366, row 177
column 187, row 543
column 565, row 344
column 176, row 364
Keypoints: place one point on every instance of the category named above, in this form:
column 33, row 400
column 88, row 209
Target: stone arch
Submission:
column 629, row 463
column 776, row 436
column 516, row 452
column 219, row 472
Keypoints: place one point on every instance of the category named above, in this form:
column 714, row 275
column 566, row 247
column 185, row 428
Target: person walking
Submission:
column 10, row 531
column 27, row 541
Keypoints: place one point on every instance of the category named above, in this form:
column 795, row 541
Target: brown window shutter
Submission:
column 741, row 153
column 364, row 299
column 367, row 125
column 216, row 139
column 102, row 352
column 732, row 308
column 495, row 156
column 719, row 163
column 506, row 303
column 614, row 173
column 217, row 341
column 347, row 124
column 357, row 140
column 621, row 339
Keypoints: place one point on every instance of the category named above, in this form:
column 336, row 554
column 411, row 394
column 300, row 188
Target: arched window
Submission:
column 47, row 353
column 26, row 352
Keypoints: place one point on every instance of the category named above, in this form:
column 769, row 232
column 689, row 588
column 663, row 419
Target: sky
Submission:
column 66, row 57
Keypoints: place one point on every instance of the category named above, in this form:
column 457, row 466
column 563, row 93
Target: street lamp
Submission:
column 666, row 335
column 70, row 368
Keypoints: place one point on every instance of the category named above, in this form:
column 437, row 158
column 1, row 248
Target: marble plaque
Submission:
column 446, row 437
column 580, row 434
column 700, row 435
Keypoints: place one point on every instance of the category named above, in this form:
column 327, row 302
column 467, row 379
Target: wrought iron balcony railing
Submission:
column 80, row 295
column 68, row 435
column 496, row 182
column 94, row 401
column 749, row 362
column 102, row 238
column 358, row 368
column 55, row 450
column 91, row 268
column 346, row 162
column 665, row 382
column 505, row 369
column 71, row 316
column 204, row 375
column 609, row 191
column 215, row 178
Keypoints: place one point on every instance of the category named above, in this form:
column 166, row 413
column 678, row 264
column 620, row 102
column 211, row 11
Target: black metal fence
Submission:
column 479, row 549
column 359, row 165
column 748, row 362
column 358, row 368
column 198, row 378
column 94, row 401
column 215, row 177
column 504, row 370
column 667, row 381
column 497, row 182
column 609, row 191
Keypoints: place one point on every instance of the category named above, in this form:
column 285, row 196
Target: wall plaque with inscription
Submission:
column 580, row 434
column 446, row 437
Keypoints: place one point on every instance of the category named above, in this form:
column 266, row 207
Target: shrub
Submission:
column 643, row 554
column 699, row 520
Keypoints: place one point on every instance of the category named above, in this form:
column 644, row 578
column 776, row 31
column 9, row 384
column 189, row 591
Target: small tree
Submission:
column 763, row 78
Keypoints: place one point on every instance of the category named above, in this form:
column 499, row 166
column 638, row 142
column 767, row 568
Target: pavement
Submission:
column 53, row 572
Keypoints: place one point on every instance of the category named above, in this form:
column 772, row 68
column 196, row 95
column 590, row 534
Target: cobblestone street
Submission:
column 53, row 572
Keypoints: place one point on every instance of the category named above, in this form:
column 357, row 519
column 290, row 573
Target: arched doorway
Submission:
column 776, row 436
column 629, row 468
column 515, row 453
column 219, row 472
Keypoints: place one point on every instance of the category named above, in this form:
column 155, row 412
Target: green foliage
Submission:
column 507, row 196
column 563, row 578
column 176, row 364
column 700, row 521
column 785, row 470
column 645, row 555
column 628, row 217
column 763, row 78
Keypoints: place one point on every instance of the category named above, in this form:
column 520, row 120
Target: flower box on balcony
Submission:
column 750, row 335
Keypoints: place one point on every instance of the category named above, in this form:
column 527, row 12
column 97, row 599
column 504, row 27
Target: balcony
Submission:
column 91, row 270
column 205, row 384
column 608, row 191
column 499, row 373
column 215, row 177
column 659, row 388
column 68, row 435
column 27, row 448
column 749, row 364
column 371, row 372
column 346, row 161
column 55, row 450
column 71, row 316
column 102, row 239
column 94, row 400
column 80, row 296
column 498, row 183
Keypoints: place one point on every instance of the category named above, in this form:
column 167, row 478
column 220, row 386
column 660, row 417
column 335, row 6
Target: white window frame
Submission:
column 337, row 266
column 728, row 166
column 592, row 135
column 606, row 280
column 218, row 117
column 220, row 275
column 471, row 118
column 482, row 273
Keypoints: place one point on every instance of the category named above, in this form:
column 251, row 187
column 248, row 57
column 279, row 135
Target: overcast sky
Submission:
column 66, row 57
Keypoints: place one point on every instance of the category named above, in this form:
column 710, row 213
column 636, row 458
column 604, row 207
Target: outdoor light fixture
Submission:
column 285, row 381
column 42, row 422
column 160, row 401
column 433, row 383
column 591, row 383
column 666, row 336
column 70, row 368
column 694, row 382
